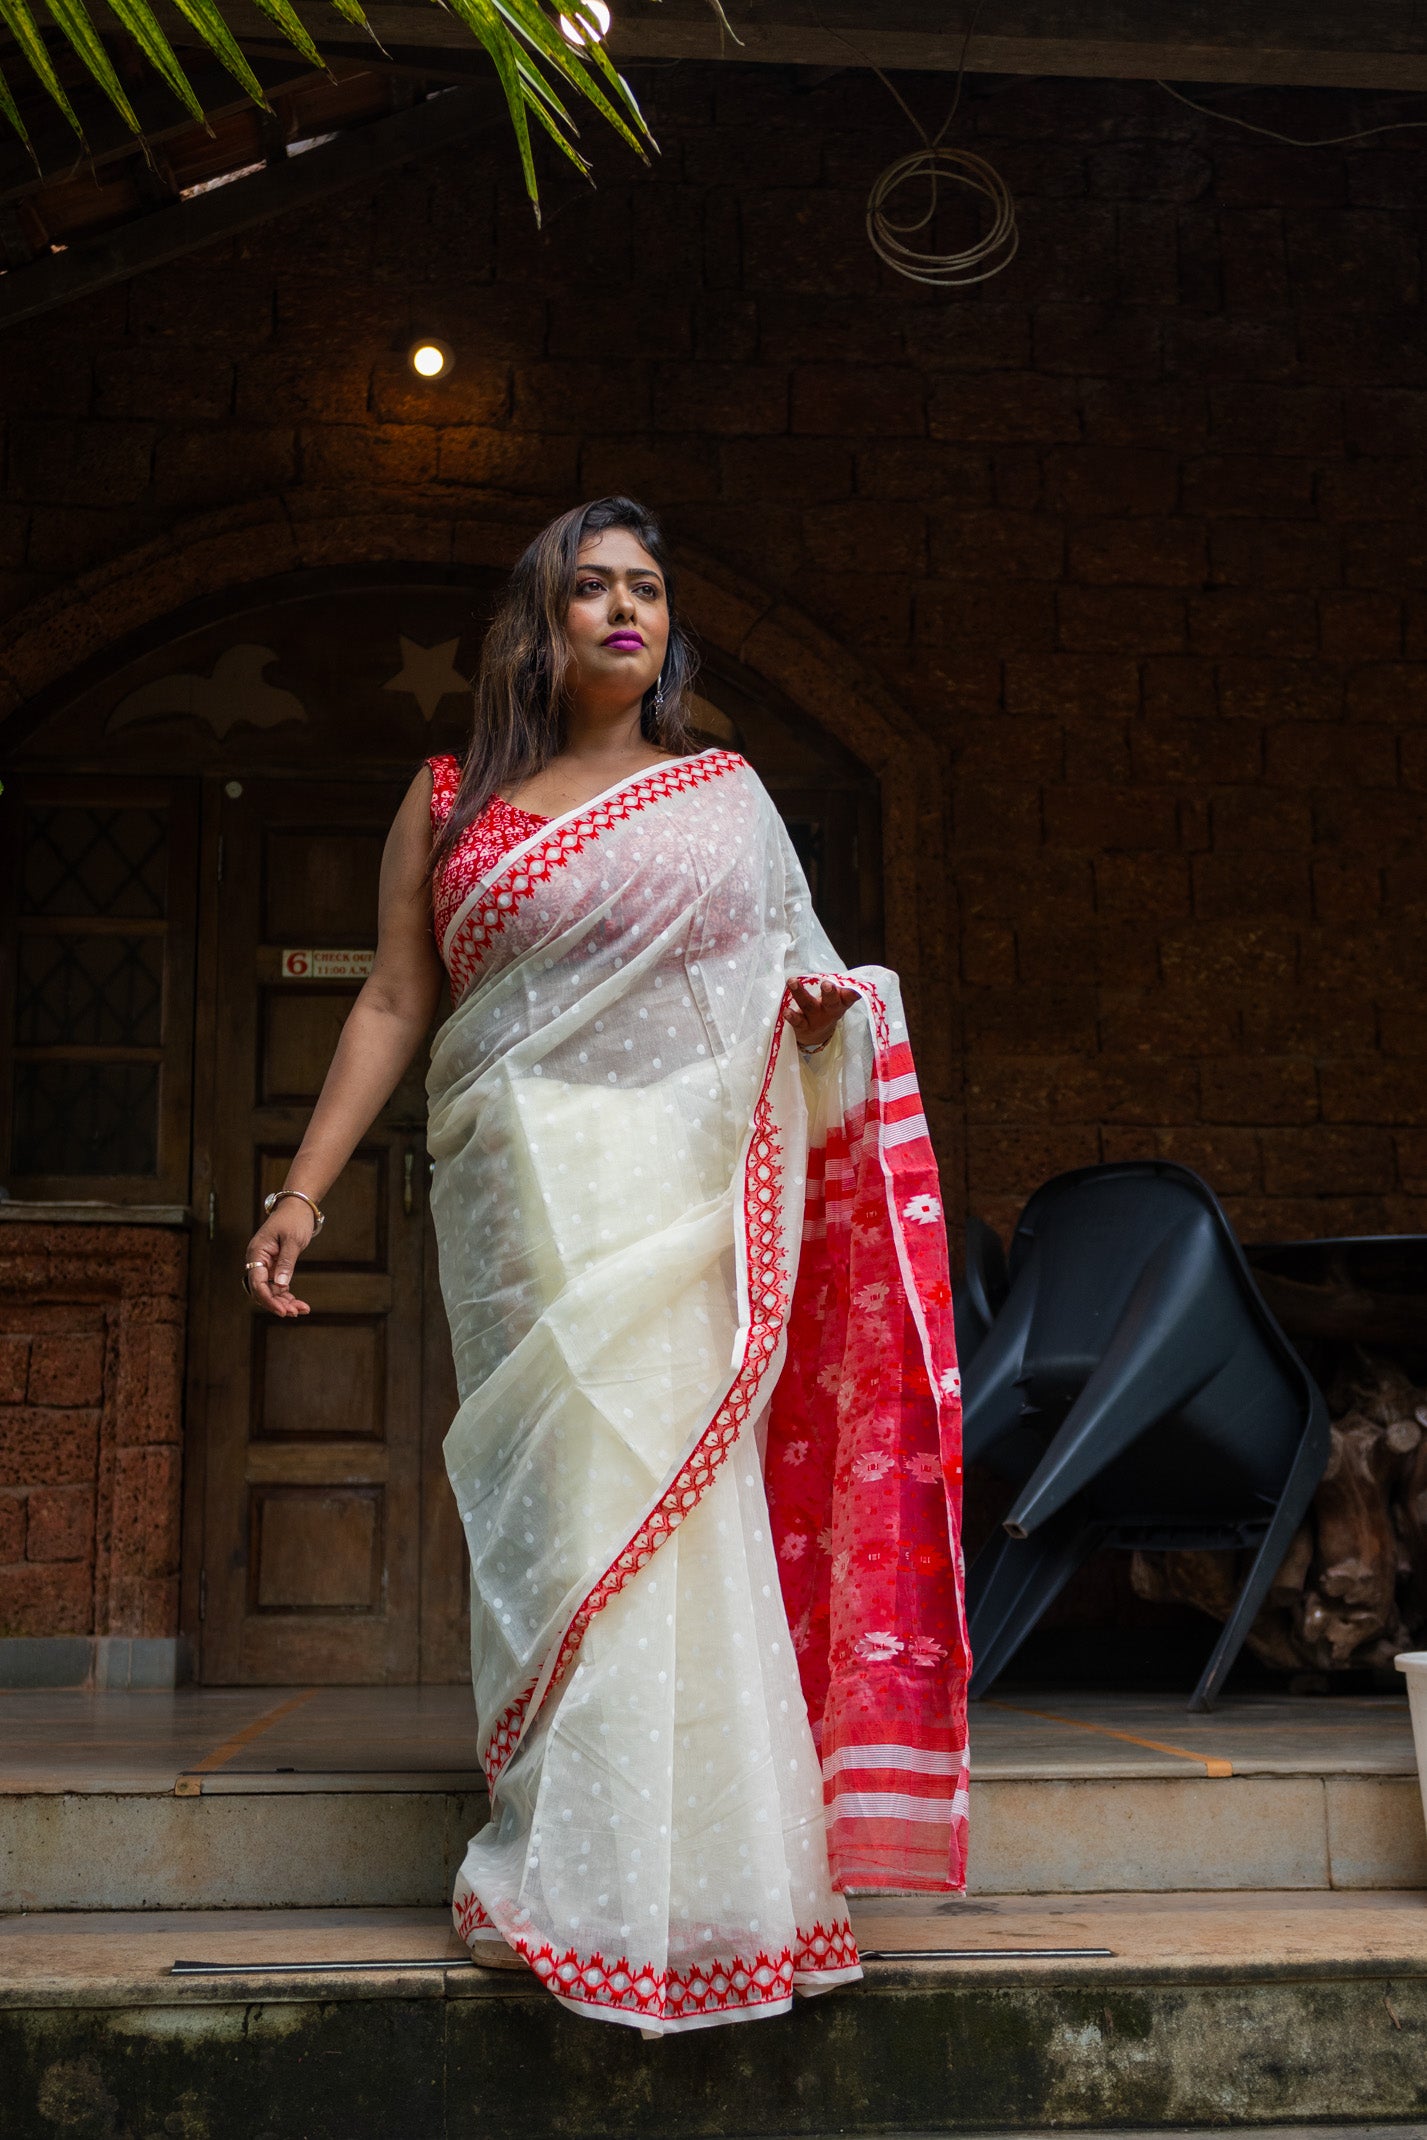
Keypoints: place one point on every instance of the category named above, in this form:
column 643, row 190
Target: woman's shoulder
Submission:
column 445, row 783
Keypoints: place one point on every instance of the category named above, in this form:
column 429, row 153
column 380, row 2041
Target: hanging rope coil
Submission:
column 939, row 167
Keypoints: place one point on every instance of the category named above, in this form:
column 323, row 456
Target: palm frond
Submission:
column 157, row 50
column 548, row 41
column 203, row 16
column 11, row 111
column 532, row 58
column 89, row 49
column 285, row 19
column 350, row 12
column 22, row 26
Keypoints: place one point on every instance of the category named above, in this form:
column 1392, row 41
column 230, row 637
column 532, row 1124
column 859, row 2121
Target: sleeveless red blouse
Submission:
column 499, row 827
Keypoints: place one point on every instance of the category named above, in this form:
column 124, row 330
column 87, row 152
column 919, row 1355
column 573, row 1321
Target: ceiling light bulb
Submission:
column 592, row 27
column 429, row 360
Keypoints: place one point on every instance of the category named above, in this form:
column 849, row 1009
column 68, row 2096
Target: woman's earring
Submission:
column 659, row 696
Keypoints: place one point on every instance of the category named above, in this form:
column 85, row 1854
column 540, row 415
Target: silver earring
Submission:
column 659, row 695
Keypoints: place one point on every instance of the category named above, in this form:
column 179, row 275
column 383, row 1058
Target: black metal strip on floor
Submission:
column 987, row 1954
column 301, row 1969
column 457, row 1961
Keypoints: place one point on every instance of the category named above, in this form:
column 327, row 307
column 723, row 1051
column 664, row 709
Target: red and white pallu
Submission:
column 707, row 1456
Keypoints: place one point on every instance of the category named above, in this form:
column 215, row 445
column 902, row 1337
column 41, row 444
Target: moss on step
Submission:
column 427, row 2061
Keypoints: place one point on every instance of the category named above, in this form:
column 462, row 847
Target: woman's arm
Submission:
column 383, row 1031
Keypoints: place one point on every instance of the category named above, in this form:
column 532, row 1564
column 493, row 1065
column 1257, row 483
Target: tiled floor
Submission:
column 280, row 1738
column 1067, row 1734
column 146, row 1742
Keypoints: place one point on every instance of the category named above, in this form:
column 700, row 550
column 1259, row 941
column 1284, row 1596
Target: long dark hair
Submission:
column 519, row 690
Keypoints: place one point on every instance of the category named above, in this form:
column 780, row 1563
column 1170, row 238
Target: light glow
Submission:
column 592, row 26
column 429, row 359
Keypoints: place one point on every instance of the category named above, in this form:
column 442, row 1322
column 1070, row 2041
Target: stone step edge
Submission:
column 462, row 1980
column 336, row 1783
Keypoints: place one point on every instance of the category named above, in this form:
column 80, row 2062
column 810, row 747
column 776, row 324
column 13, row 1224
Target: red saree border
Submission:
column 725, row 1986
column 489, row 908
column 871, row 1573
column 769, row 1297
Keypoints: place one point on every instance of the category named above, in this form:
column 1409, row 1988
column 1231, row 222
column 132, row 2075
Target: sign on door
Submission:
column 326, row 965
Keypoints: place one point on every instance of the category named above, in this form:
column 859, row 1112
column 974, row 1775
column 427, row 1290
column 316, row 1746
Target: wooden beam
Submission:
column 1344, row 44
column 159, row 111
column 56, row 279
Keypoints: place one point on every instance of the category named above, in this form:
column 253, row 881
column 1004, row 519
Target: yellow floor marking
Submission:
column 1214, row 1764
column 190, row 1784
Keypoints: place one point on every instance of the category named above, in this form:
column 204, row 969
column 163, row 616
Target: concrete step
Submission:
column 365, row 1797
column 1209, row 2010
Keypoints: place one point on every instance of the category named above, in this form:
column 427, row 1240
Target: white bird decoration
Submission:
column 235, row 694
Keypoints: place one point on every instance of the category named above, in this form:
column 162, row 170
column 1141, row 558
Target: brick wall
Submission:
column 1133, row 531
column 91, row 1380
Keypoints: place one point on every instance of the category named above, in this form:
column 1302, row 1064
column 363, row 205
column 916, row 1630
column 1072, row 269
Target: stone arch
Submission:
column 57, row 638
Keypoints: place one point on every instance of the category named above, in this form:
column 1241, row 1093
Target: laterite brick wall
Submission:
column 1134, row 531
column 91, row 1384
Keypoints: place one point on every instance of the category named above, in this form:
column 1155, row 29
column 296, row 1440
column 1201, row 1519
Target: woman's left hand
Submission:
column 814, row 1008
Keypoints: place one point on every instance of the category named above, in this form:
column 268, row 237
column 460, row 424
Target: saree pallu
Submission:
column 707, row 1451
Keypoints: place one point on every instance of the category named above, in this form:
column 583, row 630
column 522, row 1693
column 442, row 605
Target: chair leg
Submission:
column 1013, row 1582
column 1298, row 1492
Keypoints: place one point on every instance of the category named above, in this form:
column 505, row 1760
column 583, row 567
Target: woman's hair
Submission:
column 519, row 690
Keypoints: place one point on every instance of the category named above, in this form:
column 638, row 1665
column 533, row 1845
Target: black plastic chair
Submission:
column 978, row 1297
column 1136, row 1390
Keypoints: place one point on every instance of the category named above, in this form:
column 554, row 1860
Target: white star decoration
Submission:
column 429, row 673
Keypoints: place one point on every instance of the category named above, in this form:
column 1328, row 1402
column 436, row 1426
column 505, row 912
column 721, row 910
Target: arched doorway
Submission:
column 198, row 817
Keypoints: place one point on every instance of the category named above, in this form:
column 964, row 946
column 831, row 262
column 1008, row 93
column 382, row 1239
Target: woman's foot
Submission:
column 495, row 1954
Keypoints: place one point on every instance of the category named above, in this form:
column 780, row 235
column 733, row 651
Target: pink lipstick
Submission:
column 625, row 642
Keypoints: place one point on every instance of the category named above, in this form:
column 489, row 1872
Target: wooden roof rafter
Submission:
column 1346, row 44
column 272, row 182
column 132, row 203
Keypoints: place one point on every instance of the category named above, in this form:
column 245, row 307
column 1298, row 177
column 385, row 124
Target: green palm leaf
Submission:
column 279, row 13
column 21, row 24
column 527, row 49
column 536, row 27
column 476, row 16
column 89, row 48
column 350, row 12
column 203, row 16
column 11, row 111
column 157, row 50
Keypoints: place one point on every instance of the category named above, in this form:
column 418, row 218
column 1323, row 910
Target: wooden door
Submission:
column 316, row 1462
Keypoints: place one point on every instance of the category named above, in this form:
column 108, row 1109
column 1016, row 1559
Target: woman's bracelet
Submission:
column 813, row 1047
column 269, row 1201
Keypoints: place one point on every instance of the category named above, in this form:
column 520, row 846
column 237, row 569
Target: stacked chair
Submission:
column 1122, row 1372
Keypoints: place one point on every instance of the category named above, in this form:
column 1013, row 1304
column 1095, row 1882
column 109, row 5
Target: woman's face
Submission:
column 618, row 621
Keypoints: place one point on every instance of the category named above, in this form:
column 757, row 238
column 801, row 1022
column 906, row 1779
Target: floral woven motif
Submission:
column 723, row 1985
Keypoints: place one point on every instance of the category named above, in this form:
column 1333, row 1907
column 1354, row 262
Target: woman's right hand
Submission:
column 272, row 1254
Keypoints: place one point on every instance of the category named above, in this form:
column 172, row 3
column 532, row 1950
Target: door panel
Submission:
column 315, row 1549
column 313, row 1519
column 302, row 1026
column 320, row 884
column 318, row 1377
column 354, row 1237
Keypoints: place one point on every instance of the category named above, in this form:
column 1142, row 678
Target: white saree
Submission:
column 619, row 1124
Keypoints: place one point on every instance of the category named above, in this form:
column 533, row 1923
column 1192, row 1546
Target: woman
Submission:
column 692, row 1253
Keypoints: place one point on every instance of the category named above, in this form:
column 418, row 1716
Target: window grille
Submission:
column 101, row 996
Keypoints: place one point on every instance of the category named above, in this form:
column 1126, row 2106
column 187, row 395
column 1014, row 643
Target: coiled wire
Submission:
column 939, row 167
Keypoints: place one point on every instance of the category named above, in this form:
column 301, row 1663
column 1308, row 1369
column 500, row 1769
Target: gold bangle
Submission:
column 270, row 1200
